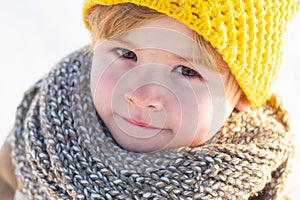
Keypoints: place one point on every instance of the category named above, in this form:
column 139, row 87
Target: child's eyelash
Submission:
column 126, row 53
column 181, row 69
column 187, row 72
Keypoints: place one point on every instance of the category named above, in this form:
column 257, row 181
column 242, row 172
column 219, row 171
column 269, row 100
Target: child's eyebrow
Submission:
column 180, row 56
column 125, row 42
column 184, row 58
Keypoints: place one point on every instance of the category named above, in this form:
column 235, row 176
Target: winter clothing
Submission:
column 7, row 177
column 248, row 34
column 62, row 150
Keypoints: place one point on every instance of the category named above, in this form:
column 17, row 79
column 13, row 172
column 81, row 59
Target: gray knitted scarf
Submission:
column 62, row 150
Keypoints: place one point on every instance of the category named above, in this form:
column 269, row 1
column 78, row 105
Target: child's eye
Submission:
column 127, row 54
column 187, row 72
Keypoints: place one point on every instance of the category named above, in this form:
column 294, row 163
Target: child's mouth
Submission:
column 138, row 128
column 140, row 123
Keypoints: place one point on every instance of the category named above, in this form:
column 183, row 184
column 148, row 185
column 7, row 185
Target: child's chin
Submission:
column 142, row 147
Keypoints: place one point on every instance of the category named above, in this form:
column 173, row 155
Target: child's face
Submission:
column 151, row 94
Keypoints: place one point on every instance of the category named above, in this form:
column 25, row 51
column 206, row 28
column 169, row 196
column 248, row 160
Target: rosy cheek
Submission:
column 201, row 112
column 105, row 86
column 107, row 81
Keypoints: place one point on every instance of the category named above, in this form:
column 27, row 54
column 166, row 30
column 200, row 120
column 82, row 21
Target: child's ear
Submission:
column 243, row 103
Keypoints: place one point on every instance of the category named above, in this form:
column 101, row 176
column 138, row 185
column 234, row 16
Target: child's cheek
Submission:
column 189, row 115
column 202, row 112
column 103, row 90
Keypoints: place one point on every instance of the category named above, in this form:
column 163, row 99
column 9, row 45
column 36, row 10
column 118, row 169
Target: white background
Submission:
column 36, row 34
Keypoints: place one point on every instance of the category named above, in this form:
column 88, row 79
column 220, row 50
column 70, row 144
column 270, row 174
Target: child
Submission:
column 171, row 102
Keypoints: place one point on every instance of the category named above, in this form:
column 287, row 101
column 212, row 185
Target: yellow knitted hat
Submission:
column 247, row 33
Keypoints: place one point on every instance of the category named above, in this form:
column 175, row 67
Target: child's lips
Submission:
column 140, row 123
column 138, row 128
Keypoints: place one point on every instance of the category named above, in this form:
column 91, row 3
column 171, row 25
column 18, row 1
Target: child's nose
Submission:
column 149, row 96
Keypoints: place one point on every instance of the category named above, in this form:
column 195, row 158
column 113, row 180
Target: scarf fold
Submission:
column 62, row 150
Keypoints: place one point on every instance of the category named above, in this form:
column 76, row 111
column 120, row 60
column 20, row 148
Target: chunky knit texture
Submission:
column 248, row 34
column 62, row 150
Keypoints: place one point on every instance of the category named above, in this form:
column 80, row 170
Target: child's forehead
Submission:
column 159, row 31
column 168, row 23
column 156, row 38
